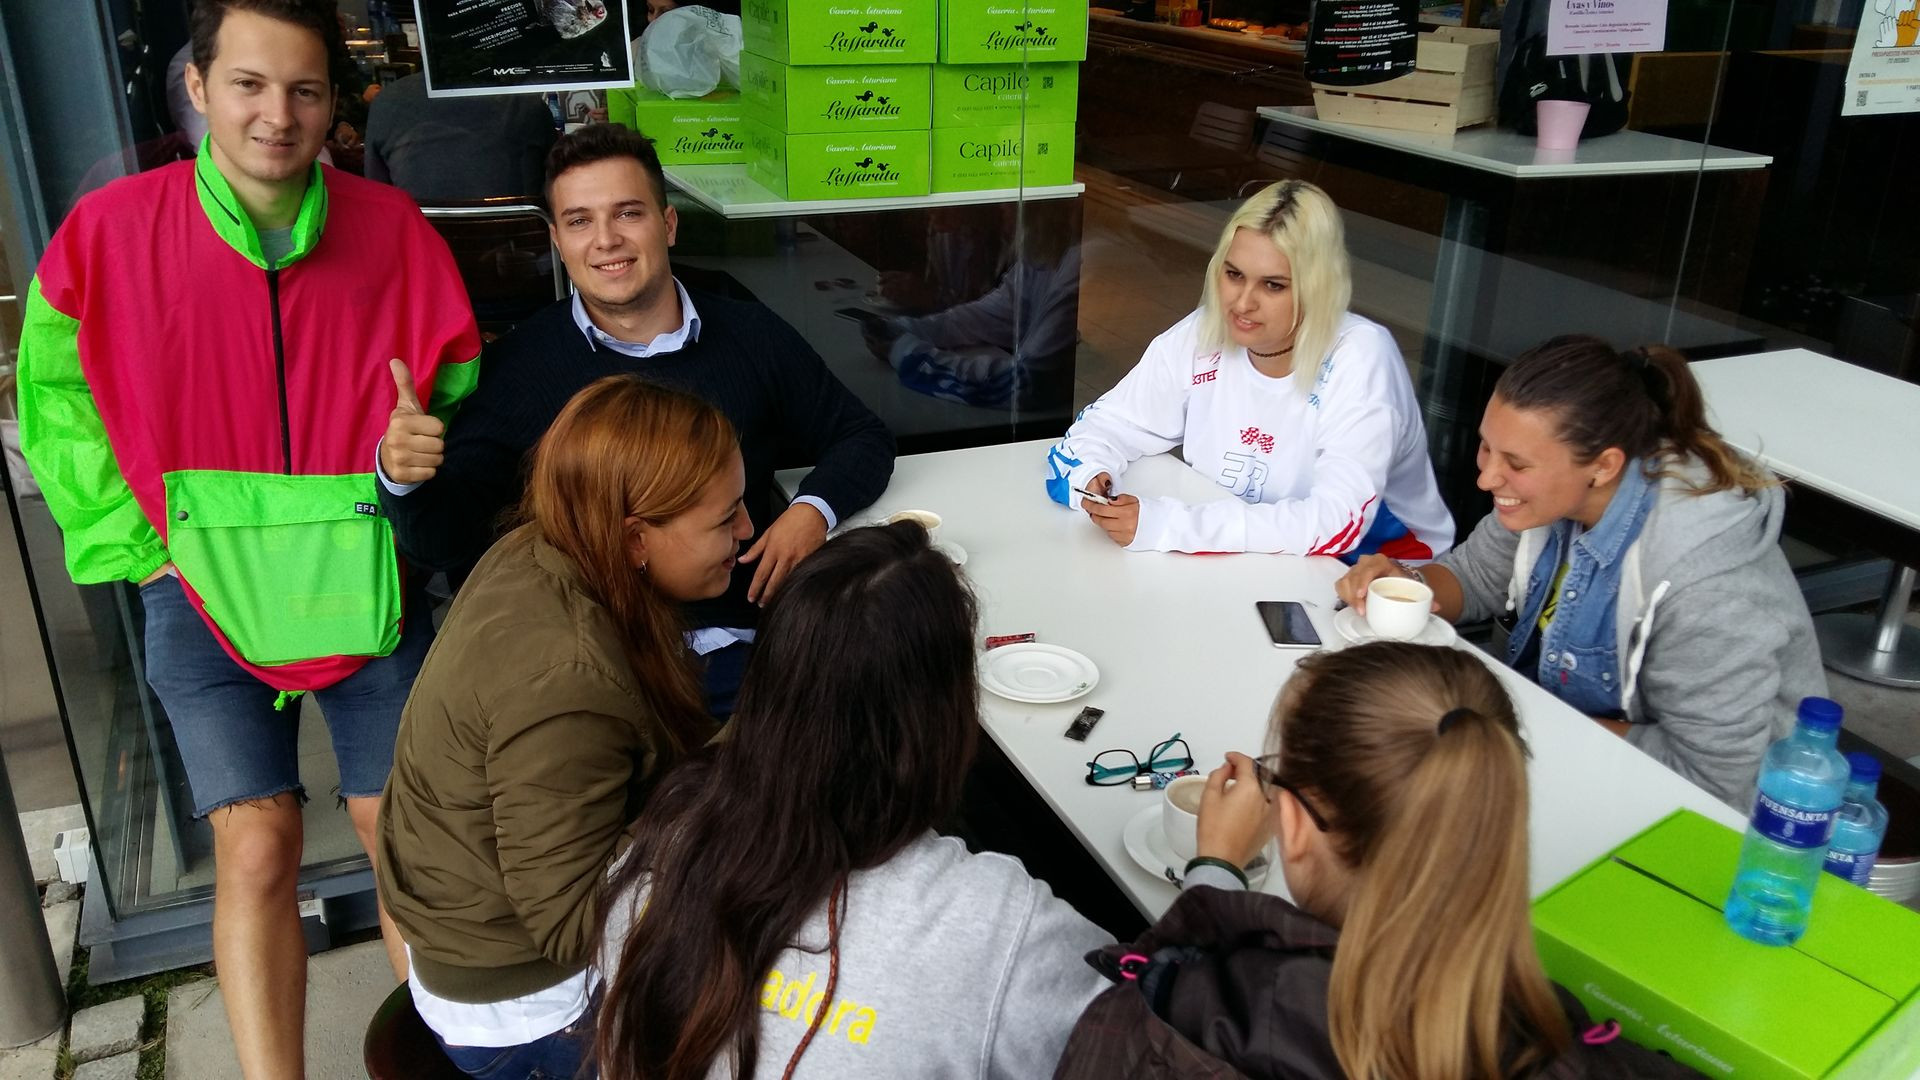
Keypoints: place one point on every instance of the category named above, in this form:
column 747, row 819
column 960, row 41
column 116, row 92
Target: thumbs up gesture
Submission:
column 415, row 442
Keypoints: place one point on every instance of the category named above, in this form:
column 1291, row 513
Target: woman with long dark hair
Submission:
column 560, row 688
column 1395, row 780
column 785, row 898
column 1633, row 560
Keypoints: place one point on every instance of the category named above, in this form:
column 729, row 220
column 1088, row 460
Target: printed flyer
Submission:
column 1356, row 42
column 1883, row 75
column 474, row 47
column 1576, row 27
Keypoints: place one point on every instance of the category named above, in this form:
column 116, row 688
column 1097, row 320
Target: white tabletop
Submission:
column 1509, row 153
column 727, row 190
column 1180, row 648
column 1848, row 431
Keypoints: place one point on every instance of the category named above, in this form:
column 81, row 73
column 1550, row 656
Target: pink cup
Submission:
column 1559, row 123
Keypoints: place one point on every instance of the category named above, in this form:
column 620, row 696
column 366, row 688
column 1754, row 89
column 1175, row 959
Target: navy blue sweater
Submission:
column 787, row 407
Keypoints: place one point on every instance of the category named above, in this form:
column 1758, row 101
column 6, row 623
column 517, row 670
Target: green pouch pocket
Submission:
column 289, row 568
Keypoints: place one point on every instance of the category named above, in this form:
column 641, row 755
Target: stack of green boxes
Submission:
column 838, row 96
column 842, row 99
column 998, row 59
column 685, row 131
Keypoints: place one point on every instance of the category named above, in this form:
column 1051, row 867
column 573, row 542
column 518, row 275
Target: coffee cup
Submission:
column 1180, row 816
column 926, row 519
column 1398, row 608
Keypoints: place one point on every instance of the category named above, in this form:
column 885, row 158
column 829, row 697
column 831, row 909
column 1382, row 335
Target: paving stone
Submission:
column 63, row 929
column 59, row 892
column 118, row 1067
column 344, row 987
column 105, row 1030
column 34, row 1061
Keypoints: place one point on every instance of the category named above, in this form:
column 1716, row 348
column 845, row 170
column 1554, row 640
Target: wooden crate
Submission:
column 1451, row 87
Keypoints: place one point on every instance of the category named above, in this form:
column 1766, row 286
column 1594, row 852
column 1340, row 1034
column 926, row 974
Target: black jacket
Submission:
column 1235, row 985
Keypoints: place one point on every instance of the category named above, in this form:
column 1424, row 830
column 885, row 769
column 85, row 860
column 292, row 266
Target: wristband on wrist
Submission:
column 1410, row 571
column 1208, row 860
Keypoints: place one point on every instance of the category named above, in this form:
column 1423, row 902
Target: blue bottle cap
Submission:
column 1820, row 713
column 1866, row 767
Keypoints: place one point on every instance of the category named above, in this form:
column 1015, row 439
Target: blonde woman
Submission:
column 1397, row 786
column 1275, row 391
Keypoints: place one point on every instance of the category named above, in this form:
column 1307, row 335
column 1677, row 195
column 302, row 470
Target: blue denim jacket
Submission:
column 1579, row 656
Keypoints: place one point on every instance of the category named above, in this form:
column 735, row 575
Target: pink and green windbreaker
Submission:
column 183, row 401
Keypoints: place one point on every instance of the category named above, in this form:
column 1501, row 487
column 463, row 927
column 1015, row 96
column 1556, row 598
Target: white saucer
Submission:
column 954, row 552
column 1148, row 846
column 1037, row 674
column 1353, row 626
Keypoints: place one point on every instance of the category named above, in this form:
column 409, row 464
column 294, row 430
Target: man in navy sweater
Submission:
column 446, row 492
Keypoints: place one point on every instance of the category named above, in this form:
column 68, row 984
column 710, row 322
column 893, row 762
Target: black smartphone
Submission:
column 862, row 316
column 1287, row 624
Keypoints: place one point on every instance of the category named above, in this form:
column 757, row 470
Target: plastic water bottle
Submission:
column 1802, row 780
column 1860, row 825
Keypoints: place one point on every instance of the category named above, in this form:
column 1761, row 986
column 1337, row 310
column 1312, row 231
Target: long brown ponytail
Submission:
column 626, row 448
column 1644, row 401
column 1435, row 976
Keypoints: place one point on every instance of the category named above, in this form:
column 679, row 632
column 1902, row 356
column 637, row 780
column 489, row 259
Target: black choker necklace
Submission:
column 1271, row 355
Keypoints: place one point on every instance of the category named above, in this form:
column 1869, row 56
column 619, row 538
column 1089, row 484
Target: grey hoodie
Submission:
column 952, row 965
column 1716, row 647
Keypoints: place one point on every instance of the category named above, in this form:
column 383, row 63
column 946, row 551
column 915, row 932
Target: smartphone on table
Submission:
column 1287, row 624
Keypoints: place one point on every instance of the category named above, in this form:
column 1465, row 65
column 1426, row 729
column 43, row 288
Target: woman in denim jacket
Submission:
column 1632, row 562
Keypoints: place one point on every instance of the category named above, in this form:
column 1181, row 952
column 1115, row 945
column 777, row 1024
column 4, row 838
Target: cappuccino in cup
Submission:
column 1398, row 608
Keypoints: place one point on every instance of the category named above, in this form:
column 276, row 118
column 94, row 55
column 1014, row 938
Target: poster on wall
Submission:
column 1884, row 74
column 1606, row 26
column 1356, row 42
column 474, row 47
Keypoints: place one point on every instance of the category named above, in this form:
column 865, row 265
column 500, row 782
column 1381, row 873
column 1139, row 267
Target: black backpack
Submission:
column 1527, row 74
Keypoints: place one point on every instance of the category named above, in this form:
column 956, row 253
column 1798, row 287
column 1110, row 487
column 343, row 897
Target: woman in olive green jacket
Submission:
column 559, row 688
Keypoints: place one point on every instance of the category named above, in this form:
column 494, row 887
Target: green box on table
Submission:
column 1639, row 938
column 817, row 100
column 1011, row 31
column 842, row 31
column 974, row 95
column 1002, row 156
column 842, row 165
column 685, row 131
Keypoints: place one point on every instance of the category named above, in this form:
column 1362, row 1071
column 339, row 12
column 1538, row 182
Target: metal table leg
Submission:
column 1877, row 648
column 1447, row 388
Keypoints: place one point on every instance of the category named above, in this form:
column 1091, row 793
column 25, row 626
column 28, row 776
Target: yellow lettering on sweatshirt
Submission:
column 797, row 1000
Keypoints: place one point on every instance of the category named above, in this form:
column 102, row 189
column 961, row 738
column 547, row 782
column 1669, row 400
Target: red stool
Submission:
column 400, row 1047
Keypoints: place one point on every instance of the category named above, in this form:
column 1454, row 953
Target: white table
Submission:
column 1853, row 434
column 729, row 191
column 1180, row 649
column 1509, row 153
column 1464, row 279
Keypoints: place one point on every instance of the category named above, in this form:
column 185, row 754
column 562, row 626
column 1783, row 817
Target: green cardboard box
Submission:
column 685, row 131
column 844, row 165
column 817, row 100
column 842, row 31
column 1010, row 31
column 1639, row 938
column 975, row 95
column 1002, row 156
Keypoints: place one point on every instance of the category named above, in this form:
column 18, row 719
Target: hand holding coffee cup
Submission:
column 1234, row 813
column 926, row 519
column 1398, row 608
